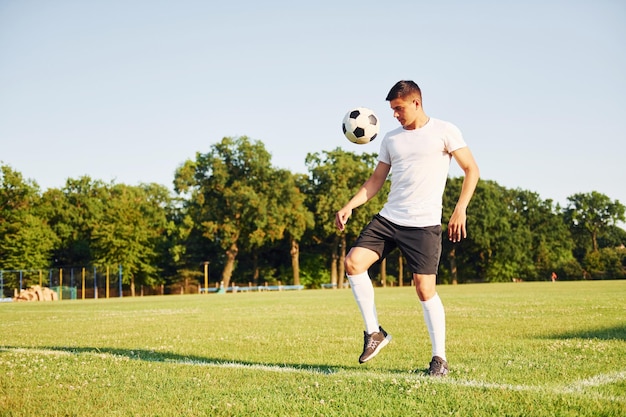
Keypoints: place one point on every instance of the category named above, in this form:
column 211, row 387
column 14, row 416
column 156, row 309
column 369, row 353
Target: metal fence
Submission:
column 69, row 283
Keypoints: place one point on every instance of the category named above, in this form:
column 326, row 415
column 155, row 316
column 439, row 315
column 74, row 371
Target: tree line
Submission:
column 255, row 223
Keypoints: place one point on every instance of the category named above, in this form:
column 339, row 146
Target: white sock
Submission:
column 435, row 318
column 363, row 291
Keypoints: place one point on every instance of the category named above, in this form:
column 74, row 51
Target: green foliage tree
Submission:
column 599, row 242
column 26, row 240
column 593, row 215
column 26, row 243
column 335, row 176
column 513, row 234
column 231, row 202
column 131, row 232
column 287, row 204
column 488, row 254
column 229, row 191
column 72, row 212
column 182, row 264
column 605, row 263
column 614, row 238
column 551, row 244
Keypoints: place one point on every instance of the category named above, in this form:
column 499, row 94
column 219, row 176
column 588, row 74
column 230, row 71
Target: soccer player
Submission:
column 418, row 156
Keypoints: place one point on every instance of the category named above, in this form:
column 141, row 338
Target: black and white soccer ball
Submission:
column 360, row 125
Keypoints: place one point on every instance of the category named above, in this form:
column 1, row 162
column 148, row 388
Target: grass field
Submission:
column 527, row 349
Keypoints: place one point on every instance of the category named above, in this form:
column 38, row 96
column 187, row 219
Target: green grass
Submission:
column 529, row 349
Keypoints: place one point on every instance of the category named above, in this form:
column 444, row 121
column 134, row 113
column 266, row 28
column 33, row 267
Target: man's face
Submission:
column 405, row 111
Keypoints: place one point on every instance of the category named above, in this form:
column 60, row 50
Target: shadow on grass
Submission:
column 168, row 357
column 602, row 333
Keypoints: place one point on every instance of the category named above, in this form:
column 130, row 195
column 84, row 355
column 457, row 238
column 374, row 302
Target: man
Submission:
column 419, row 152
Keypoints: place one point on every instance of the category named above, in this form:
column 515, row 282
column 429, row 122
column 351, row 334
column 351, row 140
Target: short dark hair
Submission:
column 404, row 89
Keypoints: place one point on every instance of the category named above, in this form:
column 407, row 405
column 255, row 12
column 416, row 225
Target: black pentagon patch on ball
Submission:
column 374, row 137
column 359, row 132
column 373, row 120
column 343, row 127
column 354, row 114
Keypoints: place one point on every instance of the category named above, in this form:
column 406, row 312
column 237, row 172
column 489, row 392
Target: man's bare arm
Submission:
column 457, row 225
column 365, row 193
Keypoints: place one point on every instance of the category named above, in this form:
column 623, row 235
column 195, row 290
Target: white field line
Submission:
column 581, row 387
column 597, row 381
column 255, row 366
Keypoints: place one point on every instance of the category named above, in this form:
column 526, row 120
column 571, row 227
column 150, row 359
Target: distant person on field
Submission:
column 554, row 276
column 418, row 155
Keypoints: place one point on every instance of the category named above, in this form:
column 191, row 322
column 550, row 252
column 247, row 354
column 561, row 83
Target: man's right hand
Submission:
column 341, row 218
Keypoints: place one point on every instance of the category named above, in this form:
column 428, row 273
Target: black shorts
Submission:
column 421, row 246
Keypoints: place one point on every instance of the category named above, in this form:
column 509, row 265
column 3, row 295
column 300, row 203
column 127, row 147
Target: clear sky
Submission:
column 126, row 91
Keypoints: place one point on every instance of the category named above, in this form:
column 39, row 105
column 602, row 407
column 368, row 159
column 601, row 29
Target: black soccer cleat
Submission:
column 438, row 367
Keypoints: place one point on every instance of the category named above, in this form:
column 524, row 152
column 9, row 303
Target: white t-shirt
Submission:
column 420, row 160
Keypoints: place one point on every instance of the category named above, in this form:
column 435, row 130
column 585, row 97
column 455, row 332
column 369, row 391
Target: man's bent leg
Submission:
column 434, row 313
column 363, row 292
column 357, row 263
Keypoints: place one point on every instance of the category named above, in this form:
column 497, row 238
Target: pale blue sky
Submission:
column 126, row 91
